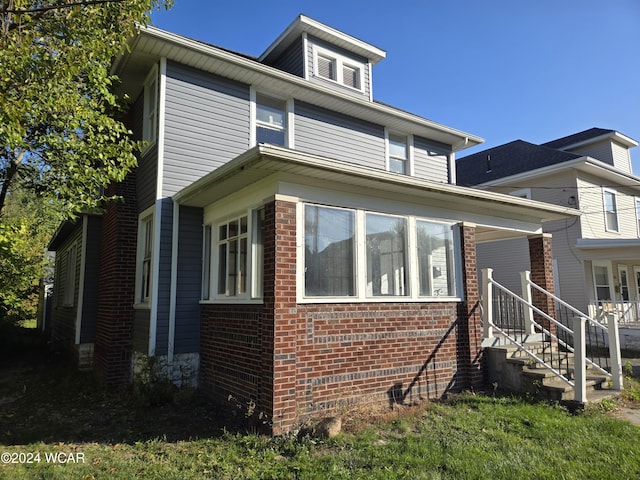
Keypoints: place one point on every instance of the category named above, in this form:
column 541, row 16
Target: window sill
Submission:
column 142, row 306
column 147, row 147
column 233, row 301
column 380, row 300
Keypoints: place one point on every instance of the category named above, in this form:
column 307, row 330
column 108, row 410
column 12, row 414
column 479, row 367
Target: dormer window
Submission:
column 337, row 68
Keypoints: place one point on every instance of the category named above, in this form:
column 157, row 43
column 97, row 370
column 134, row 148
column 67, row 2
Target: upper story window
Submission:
column 398, row 153
column 372, row 256
column 610, row 210
column 337, row 68
column 145, row 257
column 237, row 258
column 150, row 114
column 271, row 121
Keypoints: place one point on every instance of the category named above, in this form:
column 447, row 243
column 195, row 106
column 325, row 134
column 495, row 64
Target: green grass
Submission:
column 47, row 408
column 470, row 437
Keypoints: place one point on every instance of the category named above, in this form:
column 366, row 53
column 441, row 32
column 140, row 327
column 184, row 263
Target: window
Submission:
column 332, row 66
column 271, row 124
column 70, row 277
column 435, row 258
column 398, row 154
column 150, row 119
column 371, row 256
column 623, row 279
column 386, row 255
column 610, row 210
column 145, row 256
column 238, row 258
column 329, row 268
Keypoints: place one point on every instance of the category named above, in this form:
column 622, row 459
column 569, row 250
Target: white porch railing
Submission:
column 511, row 317
column 625, row 312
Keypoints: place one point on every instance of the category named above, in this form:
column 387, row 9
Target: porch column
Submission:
column 469, row 332
column 280, row 321
column 541, row 256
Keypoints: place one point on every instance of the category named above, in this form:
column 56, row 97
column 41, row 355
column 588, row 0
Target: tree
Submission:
column 61, row 136
column 27, row 225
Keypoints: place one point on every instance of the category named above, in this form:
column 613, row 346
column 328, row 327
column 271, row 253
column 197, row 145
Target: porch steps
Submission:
column 512, row 369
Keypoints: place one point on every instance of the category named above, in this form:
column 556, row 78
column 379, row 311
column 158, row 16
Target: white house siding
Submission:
column 592, row 206
column 600, row 150
column 207, row 123
column 323, row 132
column 430, row 162
column 621, row 157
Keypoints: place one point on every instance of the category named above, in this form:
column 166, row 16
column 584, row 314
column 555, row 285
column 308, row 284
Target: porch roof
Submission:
column 264, row 160
column 609, row 248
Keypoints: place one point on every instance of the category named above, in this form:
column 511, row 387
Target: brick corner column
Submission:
column 541, row 257
column 114, row 323
column 281, row 318
column 469, row 321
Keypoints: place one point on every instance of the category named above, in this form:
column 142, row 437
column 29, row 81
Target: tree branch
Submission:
column 11, row 171
column 58, row 7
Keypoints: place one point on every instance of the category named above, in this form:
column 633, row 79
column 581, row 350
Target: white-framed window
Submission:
column 338, row 68
column 270, row 120
column 398, row 153
column 69, row 289
column 150, row 110
column 144, row 276
column 372, row 256
column 623, row 282
column 637, row 203
column 234, row 257
column 610, row 210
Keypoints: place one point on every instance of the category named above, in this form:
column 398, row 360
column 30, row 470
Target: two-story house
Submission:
column 596, row 256
column 286, row 239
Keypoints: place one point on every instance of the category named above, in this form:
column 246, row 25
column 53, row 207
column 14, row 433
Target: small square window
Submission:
column 327, row 67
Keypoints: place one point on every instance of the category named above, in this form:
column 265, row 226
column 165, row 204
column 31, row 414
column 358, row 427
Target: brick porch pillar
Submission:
column 541, row 256
column 279, row 328
column 469, row 332
column 114, row 323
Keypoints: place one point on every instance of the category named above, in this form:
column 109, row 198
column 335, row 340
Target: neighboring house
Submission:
column 596, row 256
column 286, row 240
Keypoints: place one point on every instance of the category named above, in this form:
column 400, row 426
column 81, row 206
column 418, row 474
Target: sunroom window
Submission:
column 329, row 242
column 435, row 258
column 386, row 255
column 233, row 260
column 370, row 256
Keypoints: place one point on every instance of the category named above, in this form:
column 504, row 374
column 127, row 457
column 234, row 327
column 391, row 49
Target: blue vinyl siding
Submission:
column 147, row 171
column 292, row 59
column 141, row 330
column 431, row 161
column 206, row 125
column 164, row 280
column 187, row 327
column 323, row 132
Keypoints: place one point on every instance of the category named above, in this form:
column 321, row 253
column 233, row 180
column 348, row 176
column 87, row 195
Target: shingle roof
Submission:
column 578, row 137
column 505, row 160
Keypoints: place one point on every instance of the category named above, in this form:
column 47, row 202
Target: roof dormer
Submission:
column 321, row 54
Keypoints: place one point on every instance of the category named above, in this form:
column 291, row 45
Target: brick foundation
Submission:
column 295, row 360
column 112, row 354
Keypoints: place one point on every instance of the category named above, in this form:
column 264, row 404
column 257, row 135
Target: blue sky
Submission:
column 499, row 69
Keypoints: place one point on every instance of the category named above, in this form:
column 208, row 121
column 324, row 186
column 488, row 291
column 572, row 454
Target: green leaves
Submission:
column 56, row 102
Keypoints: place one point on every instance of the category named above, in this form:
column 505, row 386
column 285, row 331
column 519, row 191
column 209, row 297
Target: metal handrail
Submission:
column 544, row 330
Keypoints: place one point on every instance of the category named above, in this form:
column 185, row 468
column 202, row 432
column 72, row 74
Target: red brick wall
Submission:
column 541, row 257
column 112, row 356
column 300, row 359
